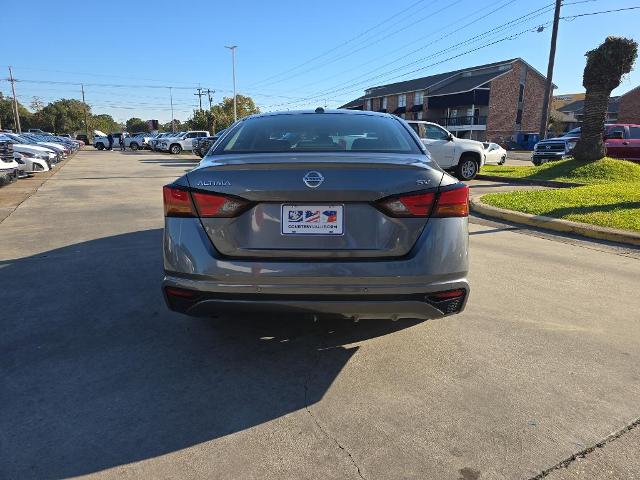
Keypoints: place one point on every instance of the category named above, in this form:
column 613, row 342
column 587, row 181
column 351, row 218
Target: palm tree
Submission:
column 605, row 67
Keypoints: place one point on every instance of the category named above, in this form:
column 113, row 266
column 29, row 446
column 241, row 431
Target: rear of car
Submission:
column 329, row 212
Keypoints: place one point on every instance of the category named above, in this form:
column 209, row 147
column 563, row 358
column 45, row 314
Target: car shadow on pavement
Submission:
column 97, row 373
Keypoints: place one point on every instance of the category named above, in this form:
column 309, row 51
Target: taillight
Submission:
column 414, row 205
column 177, row 202
column 183, row 203
column 453, row 203
column 212, row 205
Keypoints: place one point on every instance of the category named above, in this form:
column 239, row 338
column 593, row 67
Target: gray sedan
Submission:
column 317, row 212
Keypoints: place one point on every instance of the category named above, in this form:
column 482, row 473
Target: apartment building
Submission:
column 487, row 102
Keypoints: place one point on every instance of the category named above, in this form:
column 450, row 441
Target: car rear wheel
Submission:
column 100, row 146
column 134, row 146
column 467, row 169
column 175, row 148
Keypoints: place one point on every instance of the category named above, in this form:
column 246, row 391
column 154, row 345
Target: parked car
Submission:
column 461, row 156
column 264, row 224
column 494, row 153
column 37, row 131
column 23, row 148
column 101, row 142
column 202, row 145
column 83, row 138
column 621, row 141
column 153, row 142
column 8, row 166
column 184, row 141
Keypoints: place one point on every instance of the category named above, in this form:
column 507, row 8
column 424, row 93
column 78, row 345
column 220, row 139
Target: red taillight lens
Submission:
column 415, row 205
column 183, row 203
column 453, row 203
column 212, row 205
column 177, row 203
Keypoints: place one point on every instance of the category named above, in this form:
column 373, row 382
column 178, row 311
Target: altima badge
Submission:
column 213, row 183
column 313, row 179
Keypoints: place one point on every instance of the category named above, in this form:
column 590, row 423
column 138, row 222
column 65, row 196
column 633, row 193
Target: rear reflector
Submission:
column 448, row 302
column 415, row 205
column 180, row 202
column 179, row 292
column 453, row 203
column 177, row 202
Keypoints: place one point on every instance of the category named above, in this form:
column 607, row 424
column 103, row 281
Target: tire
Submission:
column 134, row 146
column 502, row 160
column 100, row 146
column 175, row 149
column 467, row 168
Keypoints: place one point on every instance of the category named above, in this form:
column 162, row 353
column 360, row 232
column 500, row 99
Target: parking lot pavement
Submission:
column 98, row 378
column 519, row 159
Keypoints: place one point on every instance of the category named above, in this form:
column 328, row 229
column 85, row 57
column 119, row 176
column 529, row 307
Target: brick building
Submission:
column 493, row 101
column 629, row 110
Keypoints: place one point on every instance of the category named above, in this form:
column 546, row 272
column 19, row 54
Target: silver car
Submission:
column 317, row 212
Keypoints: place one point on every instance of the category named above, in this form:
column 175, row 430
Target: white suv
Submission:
column 461, row 156
column 181, row 142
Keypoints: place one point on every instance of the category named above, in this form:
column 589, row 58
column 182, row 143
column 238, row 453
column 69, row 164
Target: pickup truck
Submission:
column 461, row 156
column 621, row 141
column 184, row 141
column 202, row 145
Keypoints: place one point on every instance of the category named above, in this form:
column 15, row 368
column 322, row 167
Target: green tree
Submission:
column 223, row 111
column 201, row 120
column 105, row 123
column 6, row 114
column 604, row 70
column 62, row 116
column 136, row 124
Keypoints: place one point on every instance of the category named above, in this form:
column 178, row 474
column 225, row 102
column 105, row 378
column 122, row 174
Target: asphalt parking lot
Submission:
column 100, row 379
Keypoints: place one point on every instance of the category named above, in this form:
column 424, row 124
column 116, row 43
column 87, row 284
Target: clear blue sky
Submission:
column 290, row 54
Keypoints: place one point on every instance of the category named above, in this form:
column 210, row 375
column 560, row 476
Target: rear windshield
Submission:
column 319, row 132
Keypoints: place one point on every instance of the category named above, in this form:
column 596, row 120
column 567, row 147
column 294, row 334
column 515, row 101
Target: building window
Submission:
column 384, row 102
column 519, row 117
column 419, row 98
column 419, row 116
column 368, row 107
column 402, row 100
column 521, row 94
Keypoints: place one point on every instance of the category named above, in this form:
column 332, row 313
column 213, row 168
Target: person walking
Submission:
column 122, row 145
column 110, row 139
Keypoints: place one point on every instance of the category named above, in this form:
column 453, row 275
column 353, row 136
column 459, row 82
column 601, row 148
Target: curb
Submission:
column 567, row 226
column 524, row 181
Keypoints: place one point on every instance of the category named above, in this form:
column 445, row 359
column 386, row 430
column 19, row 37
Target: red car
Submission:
column 621, row 139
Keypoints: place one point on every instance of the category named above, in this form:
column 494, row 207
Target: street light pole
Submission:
column 233, row 62
column 173, row 123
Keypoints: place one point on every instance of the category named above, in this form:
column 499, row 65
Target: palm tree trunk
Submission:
column 590, row 147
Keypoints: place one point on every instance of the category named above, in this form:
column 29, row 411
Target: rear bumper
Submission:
column 362, row 305
column 369, row 288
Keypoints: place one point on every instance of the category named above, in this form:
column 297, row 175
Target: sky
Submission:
column 290, row 54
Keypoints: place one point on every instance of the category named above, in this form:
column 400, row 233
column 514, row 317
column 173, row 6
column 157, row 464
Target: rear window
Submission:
column 319, row 132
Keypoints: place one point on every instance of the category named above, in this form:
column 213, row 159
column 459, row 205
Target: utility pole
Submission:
column 86, row 124
column 212, row 126
column 200, row 94
column 16, row 112
column 544, row 121
column 173, row 125
column 233, row 63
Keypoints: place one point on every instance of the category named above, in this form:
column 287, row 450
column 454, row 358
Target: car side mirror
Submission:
column 450, row 137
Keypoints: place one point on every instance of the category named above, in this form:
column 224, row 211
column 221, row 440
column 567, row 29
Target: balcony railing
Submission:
column 463, row 121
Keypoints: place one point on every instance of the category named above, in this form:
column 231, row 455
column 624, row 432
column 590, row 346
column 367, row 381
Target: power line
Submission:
column 351, row 87
column 333, row 49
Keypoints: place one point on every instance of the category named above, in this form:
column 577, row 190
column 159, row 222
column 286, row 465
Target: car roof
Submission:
column 336, row 111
